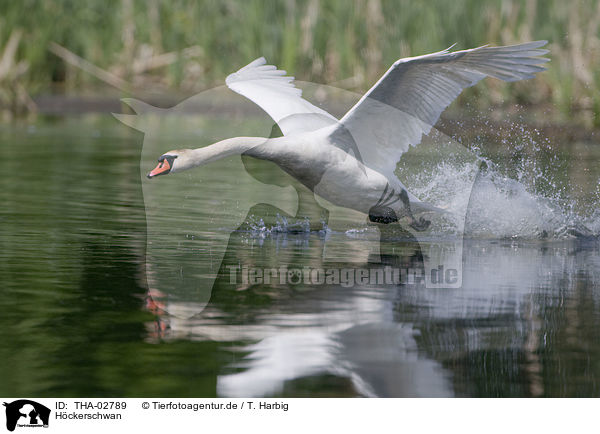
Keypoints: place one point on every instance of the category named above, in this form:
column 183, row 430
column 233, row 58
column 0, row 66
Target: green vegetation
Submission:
column 187, row 46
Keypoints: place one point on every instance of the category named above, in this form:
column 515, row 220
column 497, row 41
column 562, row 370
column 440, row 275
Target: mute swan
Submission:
column 350, row 162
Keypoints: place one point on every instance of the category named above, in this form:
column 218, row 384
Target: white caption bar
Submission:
column 154, row 415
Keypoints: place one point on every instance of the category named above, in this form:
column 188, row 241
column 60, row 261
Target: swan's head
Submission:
column 170, row 162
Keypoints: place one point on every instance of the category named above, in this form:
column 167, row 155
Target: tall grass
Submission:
column 350, row 42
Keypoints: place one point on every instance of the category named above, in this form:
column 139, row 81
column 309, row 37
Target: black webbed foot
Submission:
column 382, row 214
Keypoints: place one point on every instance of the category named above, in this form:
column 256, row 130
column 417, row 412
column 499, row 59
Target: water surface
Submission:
column 88, row 309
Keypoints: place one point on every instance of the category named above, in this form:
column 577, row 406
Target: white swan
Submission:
column 351, row 162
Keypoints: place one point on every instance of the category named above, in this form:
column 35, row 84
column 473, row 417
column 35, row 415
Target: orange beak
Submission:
column 162, row 169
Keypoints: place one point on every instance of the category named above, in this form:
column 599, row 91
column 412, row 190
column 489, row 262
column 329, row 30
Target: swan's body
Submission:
column 324, row 168
column 351, row 162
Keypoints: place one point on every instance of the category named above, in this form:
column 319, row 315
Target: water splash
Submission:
column 520, row 189
column 282, row 225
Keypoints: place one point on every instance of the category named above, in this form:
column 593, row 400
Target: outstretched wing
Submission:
column 273, row 91
column 409, row 99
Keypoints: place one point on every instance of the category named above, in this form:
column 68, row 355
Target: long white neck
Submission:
column 222, row 149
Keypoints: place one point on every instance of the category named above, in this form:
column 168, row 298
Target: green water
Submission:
column 104, row 296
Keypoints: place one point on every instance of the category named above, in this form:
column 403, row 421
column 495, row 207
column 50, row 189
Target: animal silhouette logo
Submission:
column 26, row 413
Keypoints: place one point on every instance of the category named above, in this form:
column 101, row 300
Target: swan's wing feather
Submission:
column 410, row 97
column 274, row 92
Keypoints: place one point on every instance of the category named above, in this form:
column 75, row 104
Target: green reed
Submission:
column 344, row 42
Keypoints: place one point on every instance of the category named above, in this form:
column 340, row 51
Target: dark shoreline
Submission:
column 453, row 122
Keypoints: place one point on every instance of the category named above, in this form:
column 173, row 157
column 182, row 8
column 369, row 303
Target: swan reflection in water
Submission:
column 295, row 331
column 386, row 340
